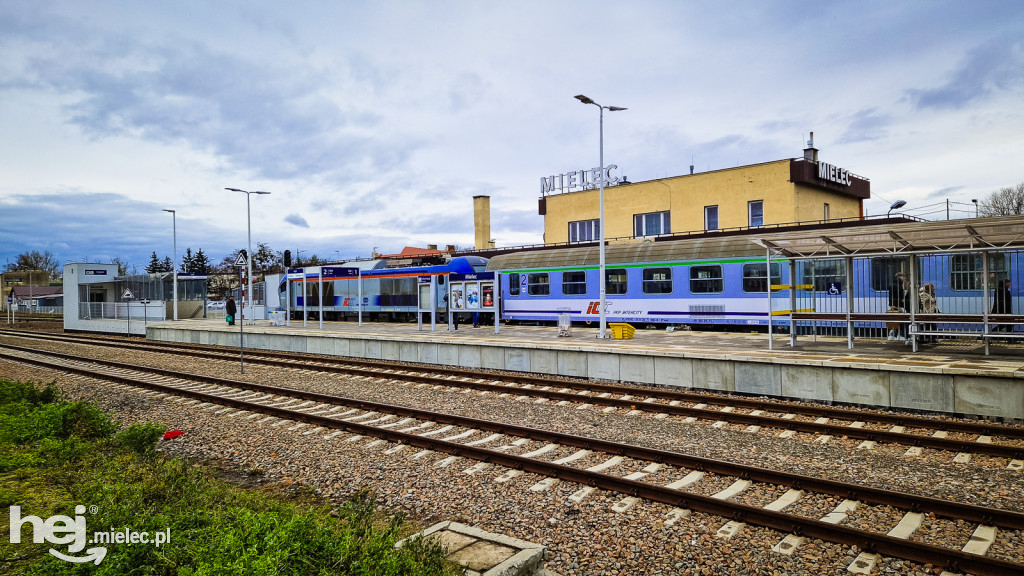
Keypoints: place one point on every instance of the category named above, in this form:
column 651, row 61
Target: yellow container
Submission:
column 621, row 330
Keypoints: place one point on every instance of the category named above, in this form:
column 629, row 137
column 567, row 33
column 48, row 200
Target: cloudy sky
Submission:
column 374, row 124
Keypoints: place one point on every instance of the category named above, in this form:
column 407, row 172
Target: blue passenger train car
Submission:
column 386, row 292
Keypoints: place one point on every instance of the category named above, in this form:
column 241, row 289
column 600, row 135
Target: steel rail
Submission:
column 951, row 559
column 983, row 428
column 901, row 438
column 900, row 500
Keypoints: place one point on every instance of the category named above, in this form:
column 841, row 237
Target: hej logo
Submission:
column 58, row 530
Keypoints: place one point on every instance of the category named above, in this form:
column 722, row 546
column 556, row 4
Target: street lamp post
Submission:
column 174, row 224
column 602, row 281
column 248, row 218
column 975, row 200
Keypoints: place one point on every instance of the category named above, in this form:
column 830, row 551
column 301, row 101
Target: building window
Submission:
column 574, row 282
column 651, row 224
column 706, row 279
column 965, row 271
column 615, row 282
column 755, row 212
column 711, row 217
column 584, row 230
column 513, row 284
column 537, row 284
column 826, row 211
column 756, row 280
column 657, row 280
column 825, row 272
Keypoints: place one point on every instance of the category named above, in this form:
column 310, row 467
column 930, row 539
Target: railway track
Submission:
column 901, row 514
column 961, row 438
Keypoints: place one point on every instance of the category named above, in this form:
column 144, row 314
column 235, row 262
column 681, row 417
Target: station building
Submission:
column 768, row 194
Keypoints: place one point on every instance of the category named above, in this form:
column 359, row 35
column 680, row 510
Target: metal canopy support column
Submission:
column 912, row 327
column 849, row 302
column 359, row 304
column 320, row 293
column 985, row 306
column 768, row 277
column 792, row 302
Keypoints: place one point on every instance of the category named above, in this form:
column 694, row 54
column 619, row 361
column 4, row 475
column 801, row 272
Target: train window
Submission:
column 537, row 284
column 657, row 280
column 755, row 279
column 706, row 279
column 965, row 271
column 615, row 281
column 513, row 284
column 883, row 272
column 574, row 282
column 825, row 272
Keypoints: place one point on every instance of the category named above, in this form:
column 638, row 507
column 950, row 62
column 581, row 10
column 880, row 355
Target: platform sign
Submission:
column 95, row 272
column 472, row 276
column 296, row 273
column 339, row 272
column 189, row 276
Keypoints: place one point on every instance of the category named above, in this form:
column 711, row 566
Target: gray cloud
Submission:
column 866, row 125
column 994, row 66
column 296, row 220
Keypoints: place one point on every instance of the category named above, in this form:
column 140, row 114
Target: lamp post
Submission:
column 975, row 200
column 174, row 224
column 248, row 218
column 602, row 281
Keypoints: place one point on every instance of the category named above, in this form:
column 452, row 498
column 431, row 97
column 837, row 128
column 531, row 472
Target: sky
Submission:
column 373, row 124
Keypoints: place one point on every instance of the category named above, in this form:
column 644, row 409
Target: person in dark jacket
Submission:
column 1002, row 302
column 899, row 300
column 230, row 309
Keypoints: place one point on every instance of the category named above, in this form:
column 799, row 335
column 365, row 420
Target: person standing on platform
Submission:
column 1002, row 302
column 899, row 301
column 928, row 305
column 230, row 309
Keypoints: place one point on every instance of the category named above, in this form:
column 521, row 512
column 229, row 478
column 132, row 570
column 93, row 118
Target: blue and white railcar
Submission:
column 717, row 281
column 381, row 291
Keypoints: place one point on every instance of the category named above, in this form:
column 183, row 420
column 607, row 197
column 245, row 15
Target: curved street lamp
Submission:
column 896, row 206
column 601, row 279
column 174, row 224
column 248, row 218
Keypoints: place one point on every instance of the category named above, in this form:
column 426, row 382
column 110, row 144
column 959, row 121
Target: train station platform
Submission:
column 953, row 376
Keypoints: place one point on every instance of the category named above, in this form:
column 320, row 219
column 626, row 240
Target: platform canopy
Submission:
column 967, row 235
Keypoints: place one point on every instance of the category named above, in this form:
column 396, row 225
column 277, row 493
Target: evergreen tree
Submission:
column 154, row 264
column 200, row 263
column 167, row 265
column 188, row 261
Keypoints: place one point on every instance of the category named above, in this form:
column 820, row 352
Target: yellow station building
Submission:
column 773, row 193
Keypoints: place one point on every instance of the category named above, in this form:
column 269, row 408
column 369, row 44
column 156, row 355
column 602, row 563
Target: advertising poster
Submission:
column 472, row 295
column 488, row 291
column 458, row 301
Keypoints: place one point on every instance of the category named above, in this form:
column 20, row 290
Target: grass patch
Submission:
column 56, row 454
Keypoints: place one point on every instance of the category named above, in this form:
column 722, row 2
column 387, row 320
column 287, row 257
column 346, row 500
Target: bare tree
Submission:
column 36, row 260
column 1006, row 201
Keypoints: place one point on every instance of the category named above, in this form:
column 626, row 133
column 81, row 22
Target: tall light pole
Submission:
column 174, row 224
column 601, row 279
column 975, row 200
column 248, row 218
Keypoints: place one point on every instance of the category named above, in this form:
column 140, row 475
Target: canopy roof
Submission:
column 968, row 235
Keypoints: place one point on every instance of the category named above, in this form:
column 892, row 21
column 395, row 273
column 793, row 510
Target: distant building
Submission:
column 779, row 192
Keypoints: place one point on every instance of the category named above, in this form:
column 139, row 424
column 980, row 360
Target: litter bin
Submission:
column 621, row 330
column 564, row 325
